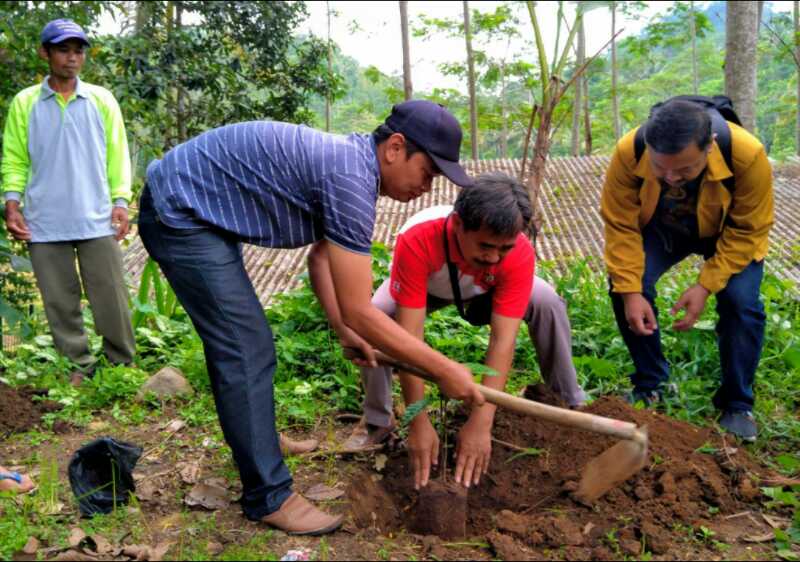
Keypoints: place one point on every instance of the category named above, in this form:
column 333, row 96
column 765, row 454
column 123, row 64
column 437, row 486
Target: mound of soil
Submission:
column 524, row 507
column 20, row 412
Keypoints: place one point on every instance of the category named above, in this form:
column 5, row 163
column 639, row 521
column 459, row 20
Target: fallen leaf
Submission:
column 218, row 481
column 321, row 492
column 158, row 551
column 75, row 556
column 76, row 536
column 175, row 426
column 135, row 551
column 190, row 472
column 101, row 545
column 97, row 426
column 588, row 528
column 31, row 546
column 170, row 521
column 214, row 548
column 768, row 536
column 147, row 490
column 380, row 462
column 52, row 508
column 775, row 522
column 207, row 496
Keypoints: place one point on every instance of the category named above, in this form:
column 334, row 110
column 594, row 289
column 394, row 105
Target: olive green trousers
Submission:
column 102, row 279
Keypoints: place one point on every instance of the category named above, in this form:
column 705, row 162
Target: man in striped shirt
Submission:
column 284, row 186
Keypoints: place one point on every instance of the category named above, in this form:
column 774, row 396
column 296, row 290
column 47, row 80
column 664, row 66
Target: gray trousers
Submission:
column 549, row 330
column 101, row 271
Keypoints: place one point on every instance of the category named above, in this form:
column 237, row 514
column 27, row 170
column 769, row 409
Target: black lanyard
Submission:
column 451, row 267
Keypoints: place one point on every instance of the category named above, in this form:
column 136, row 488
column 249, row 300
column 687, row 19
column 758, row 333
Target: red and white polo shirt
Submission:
column 419, row 267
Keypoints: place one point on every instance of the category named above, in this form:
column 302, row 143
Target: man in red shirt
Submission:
column 486, row 243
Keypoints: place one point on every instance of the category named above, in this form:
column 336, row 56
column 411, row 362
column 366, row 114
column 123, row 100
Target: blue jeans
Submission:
column 740, row 328
column 204, row 267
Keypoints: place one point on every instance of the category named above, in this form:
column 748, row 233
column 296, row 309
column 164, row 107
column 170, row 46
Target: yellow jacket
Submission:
column 742, row 220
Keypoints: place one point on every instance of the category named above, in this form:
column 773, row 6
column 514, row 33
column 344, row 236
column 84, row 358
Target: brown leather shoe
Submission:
column 366, row 437
column 297, row 516
column 292, row 447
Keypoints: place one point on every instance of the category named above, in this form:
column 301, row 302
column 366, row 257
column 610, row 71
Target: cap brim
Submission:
column 453, row 170
column 66, row 36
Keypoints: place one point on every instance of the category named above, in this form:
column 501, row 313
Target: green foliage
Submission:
column 166, row 302
column 413, row 410
column 529, row 452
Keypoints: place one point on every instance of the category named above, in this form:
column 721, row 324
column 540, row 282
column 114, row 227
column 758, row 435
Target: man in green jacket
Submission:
column 66, row 178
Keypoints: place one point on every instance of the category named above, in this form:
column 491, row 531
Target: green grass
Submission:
column 313, row 381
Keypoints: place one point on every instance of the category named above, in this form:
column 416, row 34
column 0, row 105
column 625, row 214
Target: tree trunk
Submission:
column 180, row 114
column 587, row 116
column 741, row 39
column 577, row 106
column 541, row 148
column 693, row 35
column 796, row 16
column 407, row 88
column 614, row 97
column 328, row 101
column 143, row 15
column 503, row 112
column 473, row 102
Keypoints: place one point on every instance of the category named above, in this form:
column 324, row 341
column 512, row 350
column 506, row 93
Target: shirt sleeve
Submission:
column 409, row 276
column 513, row 290
column 749, row 221
column 348, row 208
column 620, row 208
column 16, row 161
column 118, row 158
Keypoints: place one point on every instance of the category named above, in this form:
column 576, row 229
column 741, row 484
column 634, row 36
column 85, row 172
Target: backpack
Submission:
column 720, row 109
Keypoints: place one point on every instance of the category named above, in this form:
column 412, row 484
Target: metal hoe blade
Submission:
column 613, row 467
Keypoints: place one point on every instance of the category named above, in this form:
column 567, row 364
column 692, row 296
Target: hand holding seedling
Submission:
column 693, row 300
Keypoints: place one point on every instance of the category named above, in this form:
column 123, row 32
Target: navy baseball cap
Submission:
column 434, row 129
column 58, row 31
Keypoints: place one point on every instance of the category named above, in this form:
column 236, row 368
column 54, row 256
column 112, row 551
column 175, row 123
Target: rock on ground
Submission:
column 167, row 383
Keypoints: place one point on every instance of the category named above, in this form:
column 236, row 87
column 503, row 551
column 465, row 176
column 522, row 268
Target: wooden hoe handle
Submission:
column 562, row 416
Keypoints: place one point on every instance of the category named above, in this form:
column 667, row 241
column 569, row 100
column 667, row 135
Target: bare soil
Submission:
column 521, row 510
column 20, row 411
column 524, row 508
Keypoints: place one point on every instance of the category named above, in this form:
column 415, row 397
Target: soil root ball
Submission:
column 441, row 510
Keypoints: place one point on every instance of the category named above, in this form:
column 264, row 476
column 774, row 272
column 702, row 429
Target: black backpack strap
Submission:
column 638, row 144
column 451, row 267
column 638, row 150
column 722, row 129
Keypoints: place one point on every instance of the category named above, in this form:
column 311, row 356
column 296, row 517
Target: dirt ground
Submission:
column 19, row 410
column 521, row 510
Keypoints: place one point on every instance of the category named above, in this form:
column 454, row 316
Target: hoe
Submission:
column 602, row 473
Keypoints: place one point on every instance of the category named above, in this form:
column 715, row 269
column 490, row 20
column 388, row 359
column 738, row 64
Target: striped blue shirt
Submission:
column 273, row 184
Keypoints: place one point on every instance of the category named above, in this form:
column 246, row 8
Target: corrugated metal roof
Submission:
column 572, row 226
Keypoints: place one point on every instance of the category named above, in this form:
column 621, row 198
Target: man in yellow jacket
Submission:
column 678, row 199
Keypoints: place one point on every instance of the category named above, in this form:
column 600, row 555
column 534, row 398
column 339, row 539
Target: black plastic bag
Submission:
column 101, row 475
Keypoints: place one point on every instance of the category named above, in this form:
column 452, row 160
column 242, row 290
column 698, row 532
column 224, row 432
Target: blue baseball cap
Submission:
column 58, row 31
column 434, row 129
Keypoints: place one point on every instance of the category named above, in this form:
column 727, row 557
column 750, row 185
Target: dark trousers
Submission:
column 740, row 328
column 204, row 267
